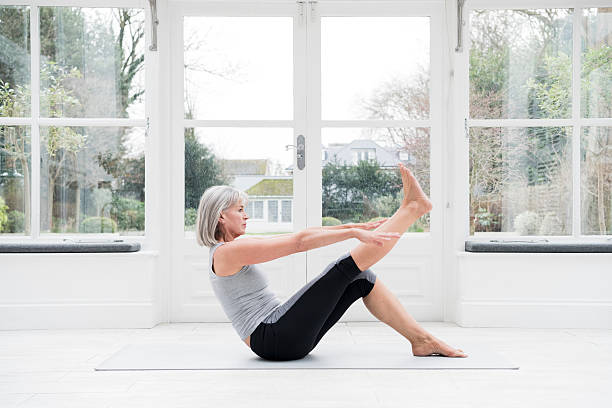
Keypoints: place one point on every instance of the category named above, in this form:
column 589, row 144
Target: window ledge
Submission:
column 55, row 247
column 538, row 246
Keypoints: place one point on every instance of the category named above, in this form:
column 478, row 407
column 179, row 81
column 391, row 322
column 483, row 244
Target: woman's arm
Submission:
column 247, row 251
column 362, row 225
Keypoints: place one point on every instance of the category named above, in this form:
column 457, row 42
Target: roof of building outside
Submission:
column 272, row 187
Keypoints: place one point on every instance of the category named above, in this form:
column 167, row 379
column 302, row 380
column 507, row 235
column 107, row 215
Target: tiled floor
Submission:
column 55, row 368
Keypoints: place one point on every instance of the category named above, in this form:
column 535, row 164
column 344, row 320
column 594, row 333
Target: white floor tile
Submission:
column 55, row 368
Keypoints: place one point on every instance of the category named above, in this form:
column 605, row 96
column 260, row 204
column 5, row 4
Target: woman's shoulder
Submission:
column 223, row 262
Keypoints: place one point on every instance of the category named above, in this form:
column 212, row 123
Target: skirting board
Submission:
column 561, row 315
column 77, row 316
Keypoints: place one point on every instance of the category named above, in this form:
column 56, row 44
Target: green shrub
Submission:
column 129, row 213
column 16, row 221
column 98, row 224
column 3, row 215
column 191, row 215
column 330, row 221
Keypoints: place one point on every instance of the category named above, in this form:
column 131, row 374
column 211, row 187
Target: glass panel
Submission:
column 258, row 210
column 15, row 179
column 358, row 188
column 597, row 63
column 92, row 62
column 375, row 67
column 272, row 211
column 92, row 180
column 253, row 160
column 14, row 61
column 521, row 64
column 286, row 211
column 238, row 67
column 520, row 180
column 596, row 180
column 248, row 209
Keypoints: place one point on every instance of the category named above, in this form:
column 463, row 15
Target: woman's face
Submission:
column 233, row 221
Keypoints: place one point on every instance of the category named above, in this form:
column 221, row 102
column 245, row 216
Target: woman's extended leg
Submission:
column 414, row 205
column 385, row 306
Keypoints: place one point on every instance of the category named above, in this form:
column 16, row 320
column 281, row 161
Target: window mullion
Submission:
column 576, row 130
column 35, row 131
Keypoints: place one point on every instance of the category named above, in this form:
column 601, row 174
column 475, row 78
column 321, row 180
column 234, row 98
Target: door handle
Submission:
column 300, row 152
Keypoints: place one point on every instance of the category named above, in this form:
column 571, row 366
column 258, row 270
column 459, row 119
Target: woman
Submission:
column 291, row 330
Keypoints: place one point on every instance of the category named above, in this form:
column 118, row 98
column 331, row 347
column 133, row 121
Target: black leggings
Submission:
column 310, row 314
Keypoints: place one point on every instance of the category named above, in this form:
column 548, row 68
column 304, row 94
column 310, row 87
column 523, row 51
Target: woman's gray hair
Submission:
column 214, row 200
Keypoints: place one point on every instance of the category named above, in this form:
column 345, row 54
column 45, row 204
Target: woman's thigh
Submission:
column 308, row 316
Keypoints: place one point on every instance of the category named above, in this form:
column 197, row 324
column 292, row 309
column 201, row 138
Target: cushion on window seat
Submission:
column 537, row 245
column 49, row 247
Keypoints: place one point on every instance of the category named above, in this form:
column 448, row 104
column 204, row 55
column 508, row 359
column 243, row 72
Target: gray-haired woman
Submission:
column 291, row 330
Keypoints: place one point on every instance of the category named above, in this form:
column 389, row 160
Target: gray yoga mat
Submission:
column 236, row 356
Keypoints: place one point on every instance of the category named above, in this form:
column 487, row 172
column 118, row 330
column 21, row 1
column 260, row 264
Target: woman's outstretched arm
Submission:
column 247, row 251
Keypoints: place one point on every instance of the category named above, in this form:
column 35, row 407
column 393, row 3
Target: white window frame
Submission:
column 35, row 121
column 463, row 121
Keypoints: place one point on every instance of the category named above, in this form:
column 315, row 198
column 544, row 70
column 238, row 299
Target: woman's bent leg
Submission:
column 305, row 317
column 366, row 255
column 414, row 205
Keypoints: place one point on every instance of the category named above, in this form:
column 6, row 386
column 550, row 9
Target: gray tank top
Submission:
column 244, row 296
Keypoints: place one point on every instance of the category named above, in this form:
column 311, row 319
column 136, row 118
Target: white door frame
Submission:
column 414, row 269
column 192, row 298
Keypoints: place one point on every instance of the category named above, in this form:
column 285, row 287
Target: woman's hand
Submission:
column 374, row 237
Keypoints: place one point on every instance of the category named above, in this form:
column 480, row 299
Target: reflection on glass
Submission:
column 14, row 61
column 375, row 67
column 91, row 62
column 15, row 179
column 360, row 177
column 596, row 180
column 238, row 67
column 521, row 64
column 92, row 180
column 254, row 160
column 520, row 180
column 596, row 41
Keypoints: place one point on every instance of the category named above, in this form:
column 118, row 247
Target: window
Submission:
column 363, row 155
column 539, row 165
column 286, row 211
column 80, row 115
column 272, row 210
column 254, row 209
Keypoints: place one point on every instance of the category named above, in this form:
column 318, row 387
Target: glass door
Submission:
column 239, row 112
column 358, row 82
column 374, row 101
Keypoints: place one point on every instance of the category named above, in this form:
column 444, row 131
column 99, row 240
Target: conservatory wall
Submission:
column 140, row 289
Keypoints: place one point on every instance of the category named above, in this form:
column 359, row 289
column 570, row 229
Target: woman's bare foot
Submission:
column 433, row 346
column 413, row 193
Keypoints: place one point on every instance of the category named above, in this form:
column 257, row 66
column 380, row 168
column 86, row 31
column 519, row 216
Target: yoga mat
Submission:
column 237, row 356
